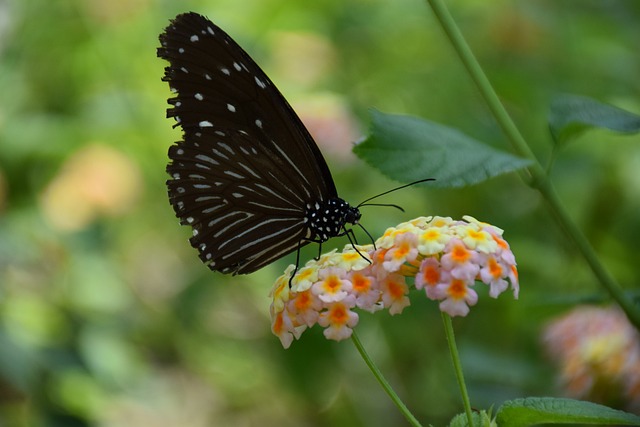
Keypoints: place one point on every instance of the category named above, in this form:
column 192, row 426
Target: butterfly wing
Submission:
column 247, row 167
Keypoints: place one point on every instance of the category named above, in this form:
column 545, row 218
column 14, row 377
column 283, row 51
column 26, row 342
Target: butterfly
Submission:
column 247, row 176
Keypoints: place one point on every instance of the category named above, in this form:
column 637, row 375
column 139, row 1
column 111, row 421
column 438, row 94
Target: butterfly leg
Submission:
column 295, row 270
column 370, row 236
column 319, row 251
column 352, row 239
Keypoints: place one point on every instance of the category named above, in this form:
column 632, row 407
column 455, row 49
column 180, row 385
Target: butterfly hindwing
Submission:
column 239, row 202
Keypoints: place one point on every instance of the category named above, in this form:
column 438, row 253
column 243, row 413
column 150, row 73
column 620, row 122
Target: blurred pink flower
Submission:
column 598, row 352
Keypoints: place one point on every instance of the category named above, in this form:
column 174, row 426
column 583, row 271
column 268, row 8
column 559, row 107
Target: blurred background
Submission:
column 107, row 316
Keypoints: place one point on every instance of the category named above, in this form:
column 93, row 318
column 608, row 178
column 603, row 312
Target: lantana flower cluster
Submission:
column 445, row 258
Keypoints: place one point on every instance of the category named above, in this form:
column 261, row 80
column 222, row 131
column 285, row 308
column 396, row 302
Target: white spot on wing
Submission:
column 198, row 96
column 226, row 147
column 231, row 108
column 205, row 124
column 233, row 174
column 225, row 71
column 212, row 209
column 237, row 66
column 248, row 169
column 194, row 38
column 259, row 123
column 260, row 83
column 219, row 153
column 207, row 159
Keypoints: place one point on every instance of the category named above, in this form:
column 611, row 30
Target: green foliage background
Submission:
column 113, row 321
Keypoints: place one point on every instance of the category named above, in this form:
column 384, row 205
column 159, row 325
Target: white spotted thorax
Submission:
column 247, row 176
column 328, row 219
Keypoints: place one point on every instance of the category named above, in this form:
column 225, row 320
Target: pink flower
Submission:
column 339, row 320
column 305, row 307
column 404, row 249
column 456, row 295
column 598, row 353
column 428, row 275
column 493, row 274
column 394, row 293
column 283, row 328
column 460, row 261
column 365, row 288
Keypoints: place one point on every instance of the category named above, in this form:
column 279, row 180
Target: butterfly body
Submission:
column 247, row 175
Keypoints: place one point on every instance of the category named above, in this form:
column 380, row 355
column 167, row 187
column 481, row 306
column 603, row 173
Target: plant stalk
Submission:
column 537, row 176
column 383, row 382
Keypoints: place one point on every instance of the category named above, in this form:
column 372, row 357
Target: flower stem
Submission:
column 457, row 366
column 383, row 382
column 536, row 176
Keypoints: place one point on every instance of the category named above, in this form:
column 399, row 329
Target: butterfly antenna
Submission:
column 395, row 189
column 388, row 205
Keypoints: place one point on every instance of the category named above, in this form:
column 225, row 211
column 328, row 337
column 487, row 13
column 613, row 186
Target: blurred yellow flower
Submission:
column 96, row 180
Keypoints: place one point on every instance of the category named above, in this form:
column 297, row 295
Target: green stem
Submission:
column 536, row 177
column 457, row 366
column 383, row 382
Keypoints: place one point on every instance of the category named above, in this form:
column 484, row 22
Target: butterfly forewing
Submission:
column 247, row 168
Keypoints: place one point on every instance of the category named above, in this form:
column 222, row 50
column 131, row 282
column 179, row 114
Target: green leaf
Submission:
column 408, row 149
column 541, row 410
column 571, row 115
column 480, row 419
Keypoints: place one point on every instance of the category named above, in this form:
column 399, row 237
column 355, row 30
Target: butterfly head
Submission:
column 352, row 215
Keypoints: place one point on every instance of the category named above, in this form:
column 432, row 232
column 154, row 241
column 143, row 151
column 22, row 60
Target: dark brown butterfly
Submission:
column 247, row 176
